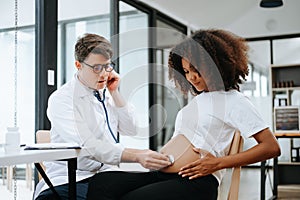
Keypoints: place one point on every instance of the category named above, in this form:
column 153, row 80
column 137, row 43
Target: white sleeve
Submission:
column 185, row 124
column 187, row 120
column 178, row 124
column 126, row 120
column 244, row 116
column 69, row 123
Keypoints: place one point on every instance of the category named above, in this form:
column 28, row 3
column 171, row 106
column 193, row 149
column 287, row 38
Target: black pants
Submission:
column 151, row 185
column 63, row 192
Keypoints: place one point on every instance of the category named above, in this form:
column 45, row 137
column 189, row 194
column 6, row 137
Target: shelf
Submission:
column 285, row 89
column 284, row 66
column 287, row 134
column 289, row 163
column 288, row 173
column 283, row 76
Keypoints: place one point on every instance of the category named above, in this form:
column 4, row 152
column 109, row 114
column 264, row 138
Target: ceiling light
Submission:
column 270, row 3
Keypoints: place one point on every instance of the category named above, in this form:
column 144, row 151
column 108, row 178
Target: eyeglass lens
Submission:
column 107, row 67
column 98, row 68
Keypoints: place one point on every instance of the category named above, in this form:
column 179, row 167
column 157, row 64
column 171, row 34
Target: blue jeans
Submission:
column 63, row 191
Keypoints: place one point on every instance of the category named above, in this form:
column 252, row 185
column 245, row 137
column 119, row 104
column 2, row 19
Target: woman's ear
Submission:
column 78, row 64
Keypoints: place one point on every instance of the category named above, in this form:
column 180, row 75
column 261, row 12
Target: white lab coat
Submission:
column 77, row 116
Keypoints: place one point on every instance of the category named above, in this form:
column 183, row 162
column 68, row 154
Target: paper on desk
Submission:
column 47, row 146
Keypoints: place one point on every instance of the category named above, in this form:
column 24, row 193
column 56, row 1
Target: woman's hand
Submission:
column 113, row 81
column 207, row 164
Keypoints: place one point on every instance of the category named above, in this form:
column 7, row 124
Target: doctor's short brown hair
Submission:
column 92, row 43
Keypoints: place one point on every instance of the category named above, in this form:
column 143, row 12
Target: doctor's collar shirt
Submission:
column 77, row 116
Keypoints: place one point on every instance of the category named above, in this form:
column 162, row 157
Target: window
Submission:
column 25, row 83
column 89, row 19
column 134, row 69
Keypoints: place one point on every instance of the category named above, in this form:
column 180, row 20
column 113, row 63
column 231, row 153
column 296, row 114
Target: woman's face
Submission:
column 193, row 76
column 87, row 75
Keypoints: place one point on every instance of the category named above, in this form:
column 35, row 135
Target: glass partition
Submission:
column 168, row 96
column 260, row 61
column 287, row 51
column 25, row 83
column 88, row 19
column 134, row 63
column 257, row 85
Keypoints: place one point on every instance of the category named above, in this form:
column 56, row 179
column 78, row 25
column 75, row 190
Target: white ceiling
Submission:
column 243, row 17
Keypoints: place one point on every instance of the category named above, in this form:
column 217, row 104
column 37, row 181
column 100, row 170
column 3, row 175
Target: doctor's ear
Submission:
column 78, row 64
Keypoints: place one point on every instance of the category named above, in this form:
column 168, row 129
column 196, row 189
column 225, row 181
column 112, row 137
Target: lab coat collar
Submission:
column 83, row 91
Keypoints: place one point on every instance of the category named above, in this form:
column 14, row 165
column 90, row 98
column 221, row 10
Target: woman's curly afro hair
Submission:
column 219, row 56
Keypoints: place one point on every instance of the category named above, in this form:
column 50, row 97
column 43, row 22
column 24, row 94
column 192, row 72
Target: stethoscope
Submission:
column 97, row 95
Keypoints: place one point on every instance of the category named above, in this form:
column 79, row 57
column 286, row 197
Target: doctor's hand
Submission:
column 113, row 81
column 207, row 164
column 147, row 158
column 152, row 160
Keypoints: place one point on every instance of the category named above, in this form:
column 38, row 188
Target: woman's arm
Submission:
column 266, row 148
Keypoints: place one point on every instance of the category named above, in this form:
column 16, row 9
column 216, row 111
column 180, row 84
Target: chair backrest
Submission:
column 42, row 136
column 236, row 147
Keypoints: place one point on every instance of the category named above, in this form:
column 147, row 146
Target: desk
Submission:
column 36, row 156
column 275, row 168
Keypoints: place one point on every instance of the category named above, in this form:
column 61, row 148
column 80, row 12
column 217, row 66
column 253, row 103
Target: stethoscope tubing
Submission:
column 97, row 95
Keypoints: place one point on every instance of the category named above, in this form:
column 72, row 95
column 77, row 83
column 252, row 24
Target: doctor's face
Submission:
column 93, row 72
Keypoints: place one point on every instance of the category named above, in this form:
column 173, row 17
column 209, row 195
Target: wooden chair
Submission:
column 42, row 136
column 236, row 147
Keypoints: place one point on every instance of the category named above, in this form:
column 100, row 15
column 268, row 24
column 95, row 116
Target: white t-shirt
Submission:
column 77, row 116
column 211, row 118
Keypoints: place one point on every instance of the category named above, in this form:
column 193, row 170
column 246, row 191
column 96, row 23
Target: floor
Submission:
column 249, row 185
column 23, row 192
column 249, row 188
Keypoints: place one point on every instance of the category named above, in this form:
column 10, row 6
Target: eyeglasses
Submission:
column 99, row 67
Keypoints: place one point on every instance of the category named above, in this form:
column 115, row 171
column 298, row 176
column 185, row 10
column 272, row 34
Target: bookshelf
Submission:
column 285, row 81
column 285, row 91
column 285, row 87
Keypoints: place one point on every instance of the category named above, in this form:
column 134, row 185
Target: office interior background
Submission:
column 141, row 53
